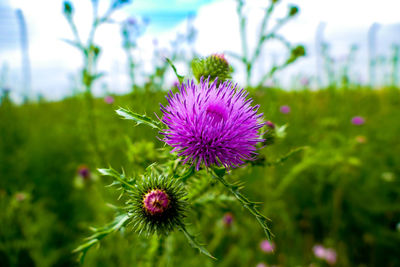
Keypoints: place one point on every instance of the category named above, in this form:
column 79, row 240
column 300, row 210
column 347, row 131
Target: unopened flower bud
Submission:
column 293, row 10
column 158, row 205
column 214, row 66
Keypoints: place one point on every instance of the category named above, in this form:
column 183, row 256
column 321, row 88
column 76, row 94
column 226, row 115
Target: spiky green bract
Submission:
column 161, row 223
column 214, row 66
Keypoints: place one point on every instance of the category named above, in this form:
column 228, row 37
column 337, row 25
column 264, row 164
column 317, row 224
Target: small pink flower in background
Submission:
column 358, row 120
column 270, row 124
column 319, row 251
column 262, row 264
column 267, row 246
column 330, row 256
column 84, row 172
column 327, row 254
column 109, row 99
column 228, row 219
column 285, row 109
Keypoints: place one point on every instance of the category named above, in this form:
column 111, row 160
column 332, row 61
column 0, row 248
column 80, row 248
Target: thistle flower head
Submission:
column 109, row 99
column 228, row 219
column 158, row 205
column 84, row 172
column 267, row 246
column 214, row 66
column 293, row 10
column 358, row 120
column 319, row 251
column 212, row 125
column 285, row 109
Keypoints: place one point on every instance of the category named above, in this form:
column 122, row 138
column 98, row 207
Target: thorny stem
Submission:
column 246, row 203
column 263, row 37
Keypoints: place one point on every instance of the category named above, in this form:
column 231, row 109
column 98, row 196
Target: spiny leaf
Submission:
column 186, row 175
column 139, row 119
column 180, row 77
column 120, row 177
column 281, row 131
column 194, row 243
column 100, row 233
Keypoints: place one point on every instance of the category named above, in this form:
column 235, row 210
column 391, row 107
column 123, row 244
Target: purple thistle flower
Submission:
column 319, row 251
column 358, row 120
column 330, row 256
column 212, row 125
column 155, row 202
column 228, row 219
column 261, row 264
column 84, row 172
column 109, row 99
column 267, row 246
column 285, row 109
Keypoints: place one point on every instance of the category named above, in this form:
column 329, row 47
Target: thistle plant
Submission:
column 266, row 34
column 209, row 128
column 90, row 52
column 131, row 30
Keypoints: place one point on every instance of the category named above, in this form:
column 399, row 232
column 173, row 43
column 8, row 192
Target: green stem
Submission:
column 194, row 243
column 246, row 203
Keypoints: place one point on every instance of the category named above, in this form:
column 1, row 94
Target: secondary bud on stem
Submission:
column 293, row 10
column 68, row 9
column 158, row 205
column 215, row 66
column 295, row 53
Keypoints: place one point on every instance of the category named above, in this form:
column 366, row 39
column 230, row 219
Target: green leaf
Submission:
column 180, row 77
column 186, row 175
column 281, row 131
column 100, row 233
column 139, row 119
column 194, row 243
column 120, row 177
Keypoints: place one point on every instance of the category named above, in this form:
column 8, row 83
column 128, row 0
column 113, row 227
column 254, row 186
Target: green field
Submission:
column 341, row 190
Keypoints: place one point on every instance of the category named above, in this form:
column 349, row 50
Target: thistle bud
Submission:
column 215, row 66
column 158, row 205
column 295, row 53
column 270, row 134
column 68, row 9
column 293, row 10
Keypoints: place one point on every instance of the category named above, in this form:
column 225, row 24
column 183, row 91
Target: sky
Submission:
column 55, row 64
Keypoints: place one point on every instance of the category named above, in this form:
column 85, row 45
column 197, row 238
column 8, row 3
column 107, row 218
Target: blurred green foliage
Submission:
column 343, row 191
